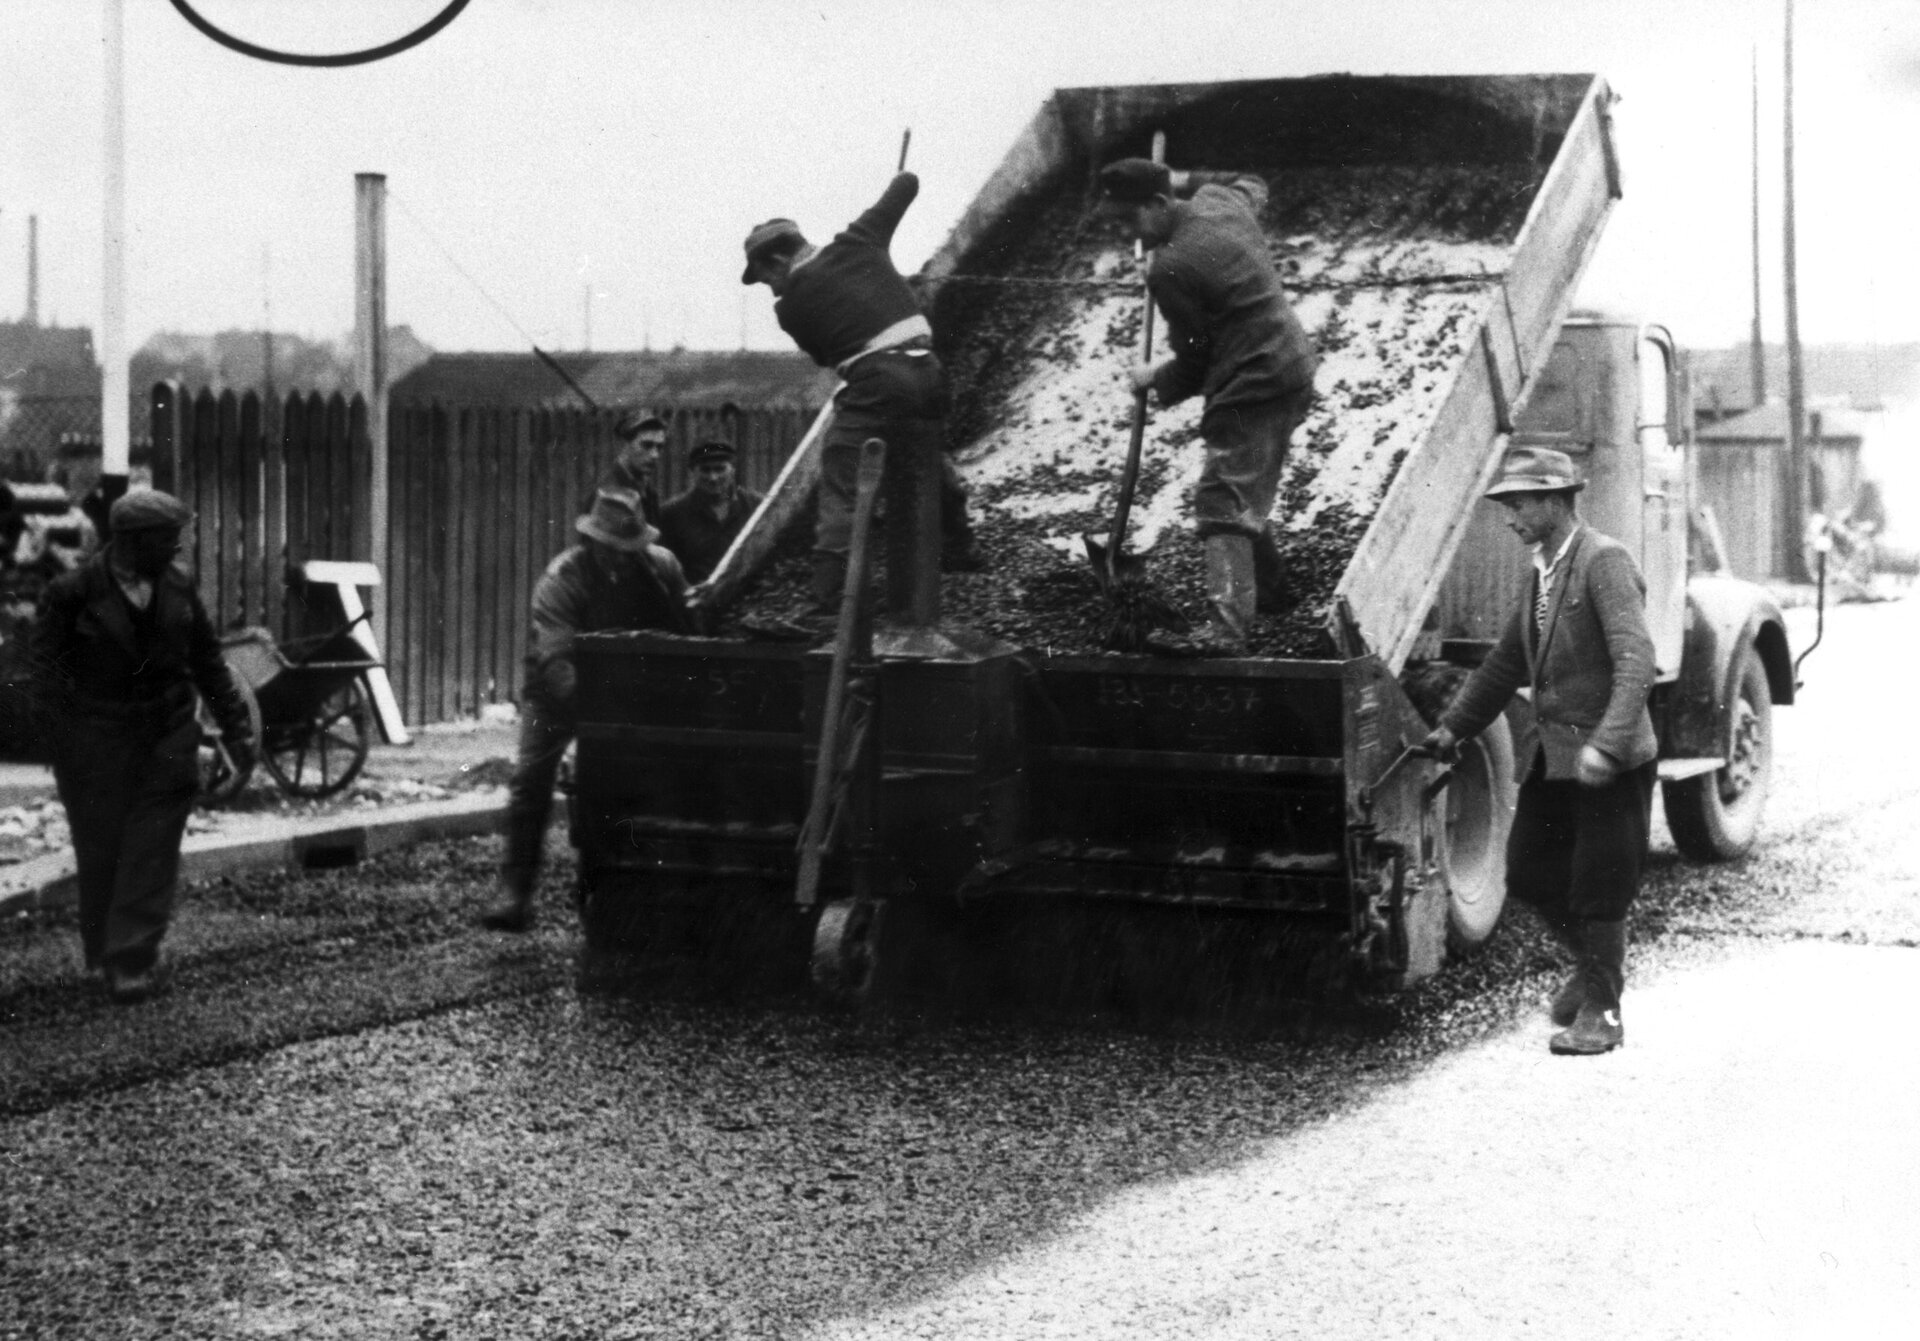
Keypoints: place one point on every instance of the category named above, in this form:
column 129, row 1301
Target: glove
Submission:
column 1441, row 744
column 561, row 679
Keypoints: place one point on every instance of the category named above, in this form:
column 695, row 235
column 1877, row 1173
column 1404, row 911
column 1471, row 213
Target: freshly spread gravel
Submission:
column 1389, row 270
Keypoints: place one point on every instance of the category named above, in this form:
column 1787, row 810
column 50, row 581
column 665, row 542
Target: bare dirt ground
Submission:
column 359, row 1116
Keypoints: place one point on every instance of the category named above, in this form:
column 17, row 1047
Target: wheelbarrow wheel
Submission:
column 220, row 781
column 318, row 757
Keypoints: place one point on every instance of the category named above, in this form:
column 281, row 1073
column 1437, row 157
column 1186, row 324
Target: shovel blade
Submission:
column 1113, row 568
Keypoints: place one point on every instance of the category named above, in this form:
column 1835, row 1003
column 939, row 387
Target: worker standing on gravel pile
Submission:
column 617, row 577
column 1235, row 341
column 699, row 523
column 119, row 648
column 849, row 309
column 1579, row 638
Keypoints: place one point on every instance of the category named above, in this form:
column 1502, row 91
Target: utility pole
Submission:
column 586, row 319
column 266, row 321
column 33, row 270
column 1796, row 381
column 1759, row 344
column 370, row 342
column 114, row 427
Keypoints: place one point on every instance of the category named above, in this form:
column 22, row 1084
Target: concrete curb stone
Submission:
column 324, row 841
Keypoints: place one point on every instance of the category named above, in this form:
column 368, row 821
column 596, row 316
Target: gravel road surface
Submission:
column 356, row 1116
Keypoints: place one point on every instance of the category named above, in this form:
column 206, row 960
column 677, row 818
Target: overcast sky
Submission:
column 550, row 146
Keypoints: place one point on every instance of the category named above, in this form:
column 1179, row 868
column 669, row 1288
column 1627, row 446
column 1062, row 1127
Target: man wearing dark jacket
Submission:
column 700, row 522
column 120, row 646
column 849, row 309
column 1579, row 638
column 1235, row 341
column 617, row 577
column 643, row 436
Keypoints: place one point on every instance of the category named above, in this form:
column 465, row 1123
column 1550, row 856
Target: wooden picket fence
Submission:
column 479, row 500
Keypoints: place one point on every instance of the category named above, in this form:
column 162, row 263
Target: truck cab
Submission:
column 1614, row 397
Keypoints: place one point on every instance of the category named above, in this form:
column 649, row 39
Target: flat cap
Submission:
column 146, row 510
column 635, row 422
column 1134, row 181
column 765, row 235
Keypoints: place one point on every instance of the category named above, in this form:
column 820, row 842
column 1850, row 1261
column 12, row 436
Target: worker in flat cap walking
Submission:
column 701, row 521
column 618, row 576
column 1578, row 637
column 849, row 309
column 120, row 647
column 1235, row 341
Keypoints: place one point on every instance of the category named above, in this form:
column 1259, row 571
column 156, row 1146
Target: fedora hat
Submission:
column 1536, row 470
column 617, row 521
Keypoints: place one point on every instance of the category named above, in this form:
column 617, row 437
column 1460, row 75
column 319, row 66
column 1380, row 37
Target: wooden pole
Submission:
column 1796, row 381
column 370, row 343
column 114, row 427
column 1759, row 352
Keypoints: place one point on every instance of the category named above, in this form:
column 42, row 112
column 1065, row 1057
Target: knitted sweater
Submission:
column 848, row 291
column 1233, row 336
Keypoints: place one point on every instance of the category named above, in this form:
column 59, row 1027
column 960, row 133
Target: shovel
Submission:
column 1136, row 607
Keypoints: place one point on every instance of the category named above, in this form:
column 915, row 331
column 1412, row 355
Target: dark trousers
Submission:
column 545, row 731
column 128, row 788
column 1577, row 851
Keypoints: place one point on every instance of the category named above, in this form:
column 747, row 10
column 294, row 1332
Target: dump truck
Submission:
column 1432, row 232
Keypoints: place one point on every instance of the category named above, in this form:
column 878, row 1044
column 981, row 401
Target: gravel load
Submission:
column 1390, row 270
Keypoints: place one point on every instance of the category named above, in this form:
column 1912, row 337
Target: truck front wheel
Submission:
column 1716, row 816
column 1479, row 812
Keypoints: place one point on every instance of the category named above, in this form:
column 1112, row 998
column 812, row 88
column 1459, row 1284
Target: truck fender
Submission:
column 1724, row 615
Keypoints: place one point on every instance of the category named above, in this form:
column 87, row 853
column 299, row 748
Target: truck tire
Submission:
column 1716, row 816
column 1478, row 808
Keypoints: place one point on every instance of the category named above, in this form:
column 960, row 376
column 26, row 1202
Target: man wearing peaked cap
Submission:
column 122, row 652
column 642, row 435
column 849, row 309
column 1234, row 340
column 618, row 577
column 699, row 523
column 1579, row 638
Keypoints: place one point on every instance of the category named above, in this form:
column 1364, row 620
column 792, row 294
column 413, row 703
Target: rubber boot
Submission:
column 1597, row 1028
column 829, row 580
column 1275, row 595
column 1230, row 590
column 1566, row 1002
column 513, row 909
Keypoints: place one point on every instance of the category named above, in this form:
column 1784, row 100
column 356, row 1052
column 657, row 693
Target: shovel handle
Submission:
column 1136, row 436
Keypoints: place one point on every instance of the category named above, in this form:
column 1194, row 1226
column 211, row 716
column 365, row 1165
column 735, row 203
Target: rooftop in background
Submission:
column 1769, row 424
column 37, row 360
column 1866, row 376
column 678, row 377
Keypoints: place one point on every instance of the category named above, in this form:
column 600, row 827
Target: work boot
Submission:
column 513, row 909
column 1596, row 1027
column 1274, row 594
column 1230, row 584
column 1566, row 1001
column 829, row 581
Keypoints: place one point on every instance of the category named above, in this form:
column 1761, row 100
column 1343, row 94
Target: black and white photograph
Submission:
column 851, row 670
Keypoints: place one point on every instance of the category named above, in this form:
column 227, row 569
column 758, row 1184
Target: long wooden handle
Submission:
column 1130, row 476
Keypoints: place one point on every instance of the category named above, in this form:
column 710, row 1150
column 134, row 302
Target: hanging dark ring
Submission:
column 393, row 48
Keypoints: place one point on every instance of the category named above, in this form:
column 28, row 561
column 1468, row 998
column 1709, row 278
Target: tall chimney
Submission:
column 33, row 270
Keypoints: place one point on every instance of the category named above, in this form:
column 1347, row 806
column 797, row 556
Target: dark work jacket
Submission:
column 617, row 477
column 95, row 656
column 573, row 597
column 697, row 537
column 1234, row 337
column 1590, row 670
column 848, row 291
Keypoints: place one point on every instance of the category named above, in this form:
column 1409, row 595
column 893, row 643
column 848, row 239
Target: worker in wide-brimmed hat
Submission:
column 700, row 522
column 1234, row 341
column 618, row 577
column 849, row 309
column 123, row 651
column 1579, row 638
